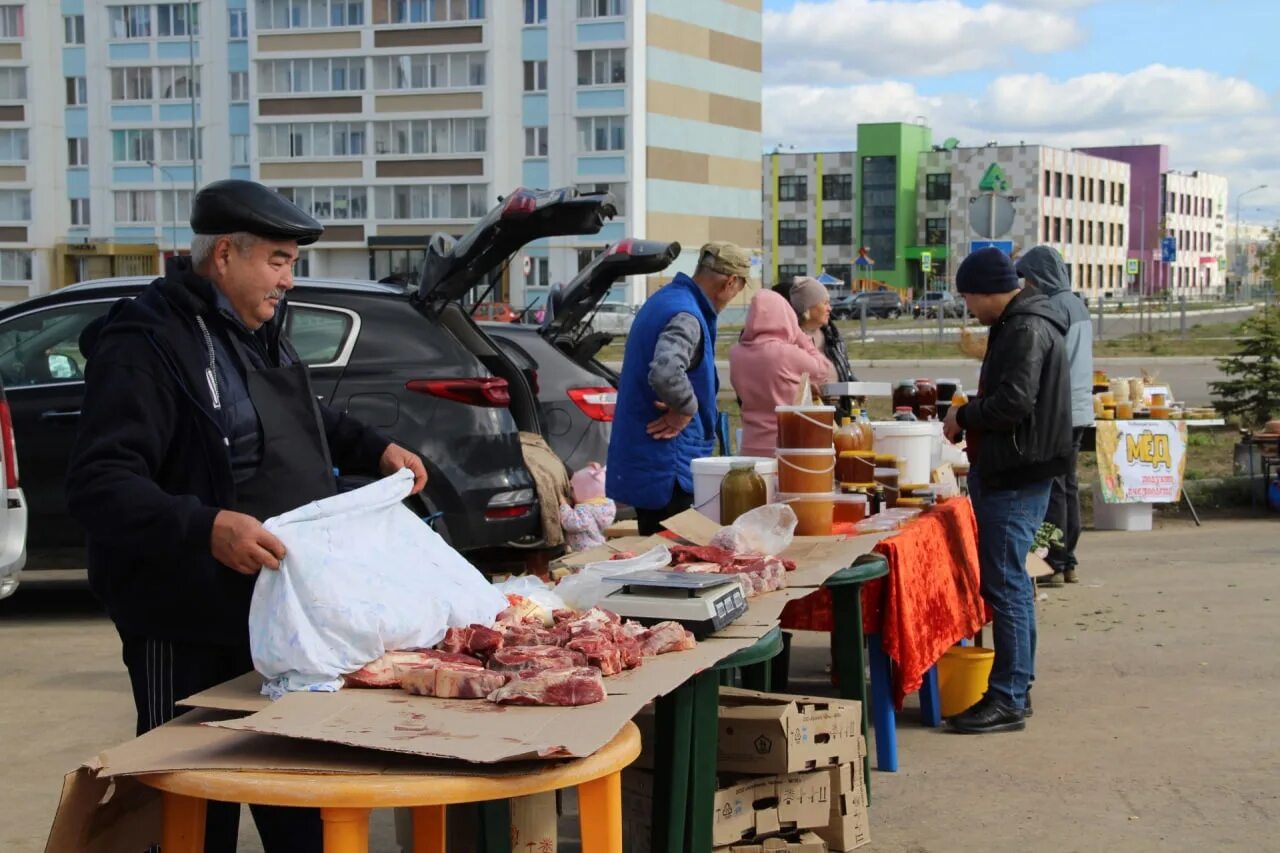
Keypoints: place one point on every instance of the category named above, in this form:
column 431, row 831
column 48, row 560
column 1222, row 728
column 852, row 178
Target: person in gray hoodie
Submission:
column 1043, row 267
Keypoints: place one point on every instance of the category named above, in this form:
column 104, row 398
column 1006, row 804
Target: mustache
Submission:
column 276, row 293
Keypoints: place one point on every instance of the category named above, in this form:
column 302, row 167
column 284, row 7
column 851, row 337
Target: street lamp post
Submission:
column 1244, row 267
column 173, row 199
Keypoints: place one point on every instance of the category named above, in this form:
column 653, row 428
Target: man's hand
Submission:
column 396, row 457
column 951, row 426
column 240, row 542
column 669, row 425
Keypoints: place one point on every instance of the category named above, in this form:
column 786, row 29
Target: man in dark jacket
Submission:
column 199, row 423
column 1019, row 439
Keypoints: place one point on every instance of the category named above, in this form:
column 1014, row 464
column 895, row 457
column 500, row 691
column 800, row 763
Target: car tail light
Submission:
column 485, row 391
column 596, row 403
column 507, row 505
column 8, row 447
column 622, row 247
column 519, row 203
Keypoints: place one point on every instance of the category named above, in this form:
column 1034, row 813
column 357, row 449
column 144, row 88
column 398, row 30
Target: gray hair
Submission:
column 202, row 245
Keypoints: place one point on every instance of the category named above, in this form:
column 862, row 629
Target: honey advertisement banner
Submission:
column 1141, row 461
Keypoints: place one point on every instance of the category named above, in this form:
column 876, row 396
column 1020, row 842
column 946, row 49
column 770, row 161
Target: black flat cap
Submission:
column 224, row 207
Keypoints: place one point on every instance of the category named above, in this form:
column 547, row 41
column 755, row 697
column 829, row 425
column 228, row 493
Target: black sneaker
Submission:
column 1069, row 576
column 1055, row 579
column 987, row 716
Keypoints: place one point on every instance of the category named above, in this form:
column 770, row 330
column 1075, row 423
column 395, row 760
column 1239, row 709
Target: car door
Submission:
column 43, row 373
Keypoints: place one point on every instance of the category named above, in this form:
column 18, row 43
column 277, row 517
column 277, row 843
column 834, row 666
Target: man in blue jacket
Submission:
column 198, row 424
column 1043, row 267
column 666, row 411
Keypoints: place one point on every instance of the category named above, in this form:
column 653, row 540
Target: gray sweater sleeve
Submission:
column 675, row 352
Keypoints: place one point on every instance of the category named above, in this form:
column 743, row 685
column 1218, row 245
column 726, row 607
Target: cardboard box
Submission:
column 771, row 805
column 777, row 733
column 848, row 826
column 803, row 842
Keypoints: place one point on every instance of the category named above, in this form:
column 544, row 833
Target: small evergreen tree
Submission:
column 1253, row 391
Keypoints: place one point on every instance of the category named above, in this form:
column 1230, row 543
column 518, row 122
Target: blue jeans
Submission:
column 1007, row 523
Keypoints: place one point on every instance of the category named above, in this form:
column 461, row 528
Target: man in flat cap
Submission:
column 198, row 423
column 666, row 411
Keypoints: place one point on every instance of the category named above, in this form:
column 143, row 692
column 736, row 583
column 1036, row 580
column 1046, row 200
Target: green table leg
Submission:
column 673, row 745
column 702, row 775
column 495, row 826
column 851, row 656
column 758, row 676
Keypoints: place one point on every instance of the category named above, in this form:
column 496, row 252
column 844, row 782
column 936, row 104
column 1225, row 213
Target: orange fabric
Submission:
column 930, row 599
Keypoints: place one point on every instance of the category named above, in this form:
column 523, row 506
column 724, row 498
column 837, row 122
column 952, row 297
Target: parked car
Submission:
column 412, row 364
column 13, row 504
column 880, row 303
column 497, row 312
column 938, row 300
column 614, row 317
column 576, row 392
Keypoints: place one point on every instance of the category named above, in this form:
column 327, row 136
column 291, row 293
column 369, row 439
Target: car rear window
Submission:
column 318, row 334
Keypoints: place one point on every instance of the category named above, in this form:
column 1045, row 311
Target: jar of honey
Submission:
column 905, row 394
column 1124, row 410
column 1158, row 399
column 741, row 491
column 814, row 512
column 806, row 471
column 855, row 466
column 848, row 437
column 849, row 509
column 805, row 426
column 926, row 406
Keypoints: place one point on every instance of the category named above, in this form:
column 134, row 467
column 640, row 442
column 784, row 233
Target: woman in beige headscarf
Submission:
column 812, row 303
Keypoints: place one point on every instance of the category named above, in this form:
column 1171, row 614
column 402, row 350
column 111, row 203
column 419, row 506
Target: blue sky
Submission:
column 1202, row 77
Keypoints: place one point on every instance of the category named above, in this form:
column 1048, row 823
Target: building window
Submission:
column 332, row 203
column 786, row 272
column 837, row 187
column 135, row 206
column 129, row 22
column 131, row 84
column 311, row 75
column 12, row 25
column 77, row 152
column 879, row 219
column 602, row 8
column 175, row 20
column 14, row 146
column 133, row 146
column 15, row 205
column 238, row 23
column 619, row 191
column 937, row 187
column 602, row 133
column 1068, row 230
column 535, row 76
column 1044, row 232
column 793, row 188
column 431, row 201
column 586, row 256
column 13, row 84
column 426, row 11
column 606, row 67
column 312, row 14
column 1120, row 192
column 239, row 86
column 1048, row 182
column 1071, row 186
column 1057, row 184
column 1057, row 229
column 837, row 232
column 535, row 11
column 539, row 277
column 175, row 206
column 77, row 91
column 15, row 265
column 175, row 82
column 428, row 71
column 935, row 231
column 793, row 232
column 844, row 272
column 535, row 142
column 73, row 29
column 79, row 211
column 240, row 149
column 175, row 145
column 319, row 139
column 431, row 136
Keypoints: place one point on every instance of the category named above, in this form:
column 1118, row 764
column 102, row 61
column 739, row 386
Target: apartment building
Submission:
column 810, row 215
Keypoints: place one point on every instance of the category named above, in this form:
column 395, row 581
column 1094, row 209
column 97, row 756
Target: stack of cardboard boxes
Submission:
column 789, row 771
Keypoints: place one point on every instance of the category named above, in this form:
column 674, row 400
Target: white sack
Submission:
column 362, row 576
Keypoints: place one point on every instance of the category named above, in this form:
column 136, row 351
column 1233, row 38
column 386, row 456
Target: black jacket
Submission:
column 151, row 468
column 1021, row 420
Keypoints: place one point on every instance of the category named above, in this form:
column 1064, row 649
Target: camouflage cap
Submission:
column 725, row 258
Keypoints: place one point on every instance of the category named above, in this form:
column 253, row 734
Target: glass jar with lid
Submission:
column 741, row 491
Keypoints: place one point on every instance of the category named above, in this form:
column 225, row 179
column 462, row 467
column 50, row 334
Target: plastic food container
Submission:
column 913, row 441
column 806, row 426
column 709, row 473
column 855, row 466
column 817, row 512
column 806, row 470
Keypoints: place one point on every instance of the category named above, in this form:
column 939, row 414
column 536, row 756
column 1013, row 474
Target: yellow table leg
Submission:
column 346, row 830
column 428, row 829
column 183, row 826
column 600, row 814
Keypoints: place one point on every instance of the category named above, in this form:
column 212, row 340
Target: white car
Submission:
column 13, row 508
column 613, row 317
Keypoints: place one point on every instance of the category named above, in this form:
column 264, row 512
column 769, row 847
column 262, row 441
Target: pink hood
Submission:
column 765, row 367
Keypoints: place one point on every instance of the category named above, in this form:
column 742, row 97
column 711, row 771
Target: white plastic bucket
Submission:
column 918, row 442
column 709, row 471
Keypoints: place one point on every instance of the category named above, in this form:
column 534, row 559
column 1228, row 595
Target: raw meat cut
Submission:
column 524, row 658
column 624, row 555
column 383, row 671
column 568, row 686
column 697, row 568
column 474, row 639
column 588, row 621
column 667, row 637
column 681, row 554
column 450, row 681
column 601, row 652
column 527, row 635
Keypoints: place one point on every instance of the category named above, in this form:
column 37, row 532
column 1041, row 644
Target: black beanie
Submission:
column 987, row 270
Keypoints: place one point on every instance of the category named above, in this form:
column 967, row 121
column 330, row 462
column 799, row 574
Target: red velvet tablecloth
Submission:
column 929, row 600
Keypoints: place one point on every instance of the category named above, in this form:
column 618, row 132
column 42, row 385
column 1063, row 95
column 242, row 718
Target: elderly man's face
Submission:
column 730, row 287
column 254, row 282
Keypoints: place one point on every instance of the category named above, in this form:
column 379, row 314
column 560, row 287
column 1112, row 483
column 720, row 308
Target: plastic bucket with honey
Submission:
column 806, row 426
column 855, row 466
column 806, row 470
column 815, row 513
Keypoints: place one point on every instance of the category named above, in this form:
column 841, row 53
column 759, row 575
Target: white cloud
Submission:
column 852, row 41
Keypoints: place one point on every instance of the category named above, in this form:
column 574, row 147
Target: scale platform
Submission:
column 701, row 602
column 857, row 389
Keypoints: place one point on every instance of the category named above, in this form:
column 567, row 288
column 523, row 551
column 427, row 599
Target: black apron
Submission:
column 296, row 468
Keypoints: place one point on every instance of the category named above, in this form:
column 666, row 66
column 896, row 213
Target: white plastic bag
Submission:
column 362, row 575
column 536, row 590
column 766, row 529
column 587, row 588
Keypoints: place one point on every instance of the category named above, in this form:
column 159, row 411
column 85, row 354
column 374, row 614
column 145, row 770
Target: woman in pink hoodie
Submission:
column 765, row 368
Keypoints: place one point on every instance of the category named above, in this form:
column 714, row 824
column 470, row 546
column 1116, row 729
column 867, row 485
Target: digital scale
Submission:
column 701, row 602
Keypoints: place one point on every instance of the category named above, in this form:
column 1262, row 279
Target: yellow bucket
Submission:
column 962, row 677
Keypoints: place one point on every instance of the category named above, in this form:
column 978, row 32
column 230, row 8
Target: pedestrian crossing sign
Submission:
column 1132, row 266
